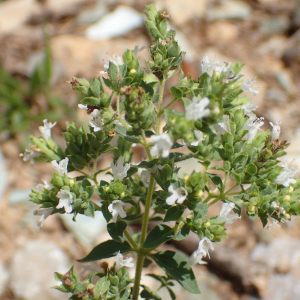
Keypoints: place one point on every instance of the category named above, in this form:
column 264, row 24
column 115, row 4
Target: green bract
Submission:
column 218, row 129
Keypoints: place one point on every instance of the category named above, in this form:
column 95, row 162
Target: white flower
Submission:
column 145, row 177
column 44, row 213
column 204, row 245
column 225, row 216
column 284, row 177
column 226, row 72
column 65, row 200
column 273, row 223
column 226, row 124
column 30, row 154
column 197, row 256
column 206, row 66
column 199, row 138
column 62, row 167
column 178, row 196
column 97, row 122
column 83, row 106
column 280, row 210
column 249, row 108
column 46, row 129
column 246, row 86
column 275, row 130
column 119, row 169
column 252, row 125
column 117, row 60
column 162, row 142
column 196, row 109
column 46, row 185
column 124, row 262
column 116, row 208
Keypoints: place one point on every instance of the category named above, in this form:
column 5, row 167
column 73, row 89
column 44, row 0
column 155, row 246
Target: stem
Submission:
column 146, row 145
column 161, row 96
column 168, row 105
column 118, row 104
column 130, row 239
column 141, row 256
column 231, row 189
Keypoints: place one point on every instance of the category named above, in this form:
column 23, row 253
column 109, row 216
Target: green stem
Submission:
column 146, row 145
column 231, row 189
column 168, row 105
column 141, row 255
column 130, row 239
column 161, row 96
column 118, row 104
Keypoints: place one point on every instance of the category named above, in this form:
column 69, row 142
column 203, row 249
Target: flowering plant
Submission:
column 220, row 130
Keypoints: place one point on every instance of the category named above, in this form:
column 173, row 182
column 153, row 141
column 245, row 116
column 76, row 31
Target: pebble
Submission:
column 116, row 23
column 94, row 14
column 286, row 81
column 229, row 9
column 86, row 229
column 32, row 269
column 296, row 18
column 277, row 96
column 275, row 25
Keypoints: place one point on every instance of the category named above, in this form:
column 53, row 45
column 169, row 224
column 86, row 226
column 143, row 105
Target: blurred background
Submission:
column 44, row 43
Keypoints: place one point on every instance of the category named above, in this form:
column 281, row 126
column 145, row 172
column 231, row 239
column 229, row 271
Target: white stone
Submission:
column 32, row 269
column 3, row 277
column 117, row 23
column 86, row 229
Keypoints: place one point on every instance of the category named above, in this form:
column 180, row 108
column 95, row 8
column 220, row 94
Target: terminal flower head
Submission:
column 249, row 108
column 252, row 125
column 116, row 209
column 204, row 245
column 275, row 130
column 124, row 262
column 45, row 213
column 206, row 66
column 46, row 129
column 246, row 86
column 196, row 109
column 119, row 169
column 285, row 177
column 178, row 195
column 162, row 143
column 62, row 167
column 65, row 200
column 225, row 216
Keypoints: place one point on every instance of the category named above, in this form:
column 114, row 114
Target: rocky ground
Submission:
column 254, row 263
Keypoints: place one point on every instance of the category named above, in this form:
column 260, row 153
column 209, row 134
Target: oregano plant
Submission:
column 218, row 129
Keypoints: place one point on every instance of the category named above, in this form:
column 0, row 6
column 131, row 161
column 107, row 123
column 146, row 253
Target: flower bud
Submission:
column 72, row 182
column 187, row 179
column 287, row 198
column 291, row 189
column 199, row 194
column 132, row 71
column 251, row 208
column 287, row 216
column 122, row 195
column 207, row 224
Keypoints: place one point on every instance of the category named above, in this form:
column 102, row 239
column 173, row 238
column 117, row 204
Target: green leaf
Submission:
column 174, row 213
column 158, row 235
column 95, row 87
column 183, row 233
column 177, row 266
column 176, row 92
column 216, row 179
column 251, row 169
column 93, row 101
column 115, row 230
column 106, row 249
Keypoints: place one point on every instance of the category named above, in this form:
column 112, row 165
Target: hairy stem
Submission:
column 161, row 95
column 141, row 255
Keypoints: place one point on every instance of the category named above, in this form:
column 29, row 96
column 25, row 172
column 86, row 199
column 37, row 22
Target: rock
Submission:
column 18, row 196
column 275, row 25
column 3, row 175
column 286, row 81
column 275, row 46
column 277, row 96
column 94, row 14
column 228, row 9
column 32, row 269
column 3, row 277
column 224, row 30
column 180, row 12
column 117, row 23
column 296, row 18
column 86, row 229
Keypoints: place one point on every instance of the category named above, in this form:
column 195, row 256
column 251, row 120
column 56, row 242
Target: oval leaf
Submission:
column 115, row 230
column 177, row 266
column 105, row 250
column 158, row 235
